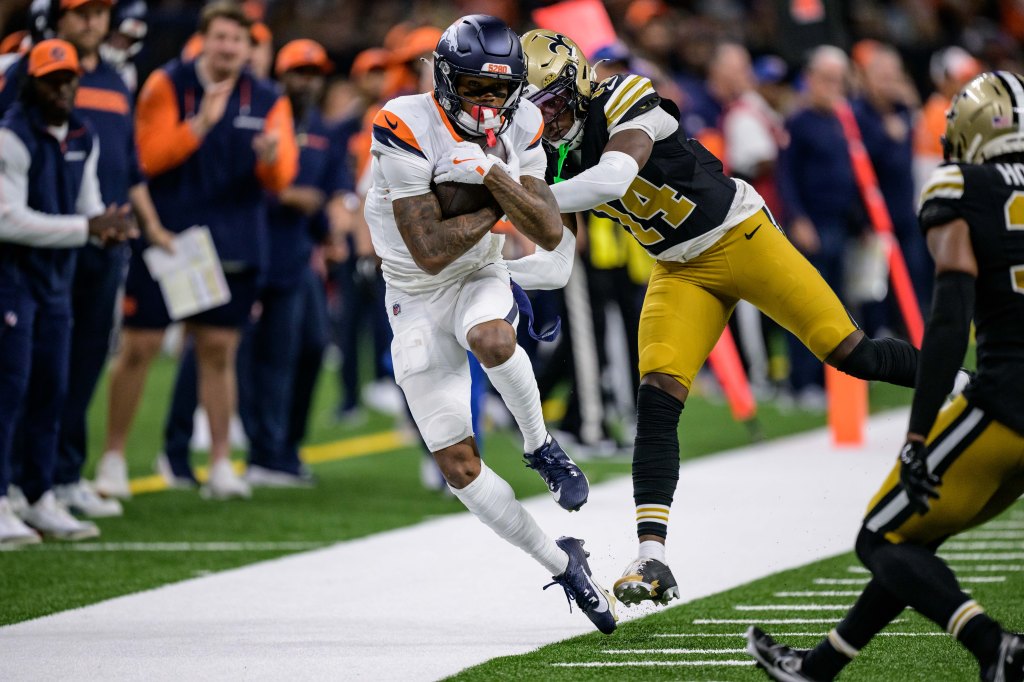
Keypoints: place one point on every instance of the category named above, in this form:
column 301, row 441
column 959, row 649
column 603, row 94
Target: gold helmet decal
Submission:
column 558, row 78
column 986, row 119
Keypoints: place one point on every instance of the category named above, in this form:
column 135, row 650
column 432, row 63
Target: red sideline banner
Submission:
column 867, row 181
column 585, row 21
column 724, row 361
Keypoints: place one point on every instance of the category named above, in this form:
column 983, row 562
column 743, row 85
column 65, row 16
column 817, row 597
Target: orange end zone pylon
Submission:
column 847, row 407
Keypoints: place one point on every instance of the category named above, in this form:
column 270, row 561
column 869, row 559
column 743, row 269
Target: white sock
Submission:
column 652, row 549
column 515, row 381
column 491, row 499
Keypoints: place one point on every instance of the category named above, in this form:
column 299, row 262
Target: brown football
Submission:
column 456, row 198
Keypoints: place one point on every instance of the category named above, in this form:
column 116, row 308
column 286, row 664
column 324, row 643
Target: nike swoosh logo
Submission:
column 393, row 126
column 457, row 161
column 752, row 233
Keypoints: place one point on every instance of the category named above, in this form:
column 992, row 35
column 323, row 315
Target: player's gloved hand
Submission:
column 469, row 164
column 915, row 479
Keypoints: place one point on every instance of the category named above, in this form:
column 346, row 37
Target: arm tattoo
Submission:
column 434, row 242
column 530, row 206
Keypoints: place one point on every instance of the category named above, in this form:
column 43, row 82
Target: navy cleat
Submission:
column 1009, row 666
column 646, row 579
column 778, row 660
column 566, row 481
column 579, row 586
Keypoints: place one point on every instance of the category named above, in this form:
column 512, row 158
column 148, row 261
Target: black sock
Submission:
column 982, row 636
column 874, row 609
column 655, row 455
column 889, row 360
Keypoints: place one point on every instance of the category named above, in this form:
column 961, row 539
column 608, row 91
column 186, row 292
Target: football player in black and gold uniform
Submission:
column 965, row 464
column 616, row 148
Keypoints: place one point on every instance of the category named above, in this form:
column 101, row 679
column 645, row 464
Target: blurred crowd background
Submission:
column 758, row 82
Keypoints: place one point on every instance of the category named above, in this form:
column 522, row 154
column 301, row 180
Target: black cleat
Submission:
column 646, row 579
column 580, row 586
column 1009, row 667
column 565, row 480
column 779, row 661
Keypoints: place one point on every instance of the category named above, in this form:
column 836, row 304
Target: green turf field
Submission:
column 169, row 536
column 679, row 644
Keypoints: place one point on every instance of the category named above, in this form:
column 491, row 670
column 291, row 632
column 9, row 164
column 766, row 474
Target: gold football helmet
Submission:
column 986, row 119
column 558, row 79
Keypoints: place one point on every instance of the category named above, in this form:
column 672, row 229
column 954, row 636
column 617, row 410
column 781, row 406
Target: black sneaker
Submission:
column 579, row 586
column 646, row 579
column 781, row 662
column 565, row 480
column 1009, row 667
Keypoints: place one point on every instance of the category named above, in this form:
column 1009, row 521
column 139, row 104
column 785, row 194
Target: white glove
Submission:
column 469, row 164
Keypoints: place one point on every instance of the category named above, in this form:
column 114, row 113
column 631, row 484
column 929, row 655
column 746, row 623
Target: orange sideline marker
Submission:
column 847, row 407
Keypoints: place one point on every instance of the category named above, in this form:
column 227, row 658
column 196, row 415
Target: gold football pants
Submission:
column 981, row 463
column 688, row 304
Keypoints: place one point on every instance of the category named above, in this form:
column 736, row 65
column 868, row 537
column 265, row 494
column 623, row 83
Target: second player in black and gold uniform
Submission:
column 965, row 464
column 616, row 149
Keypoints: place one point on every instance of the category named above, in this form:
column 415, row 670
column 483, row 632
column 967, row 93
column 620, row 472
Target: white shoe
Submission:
column 112, row 477
column 13, row 531
column 17, row 500
column 50, row 518
column 80, row 498
column 223, row 484
column 262, row 477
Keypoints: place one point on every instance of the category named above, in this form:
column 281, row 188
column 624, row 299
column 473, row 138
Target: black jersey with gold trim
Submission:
column 990, row 197
column 679, row 194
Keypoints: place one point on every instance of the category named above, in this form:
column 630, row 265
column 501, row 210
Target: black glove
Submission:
column 916, row 480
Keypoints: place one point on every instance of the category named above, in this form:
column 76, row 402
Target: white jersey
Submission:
column 410, row 136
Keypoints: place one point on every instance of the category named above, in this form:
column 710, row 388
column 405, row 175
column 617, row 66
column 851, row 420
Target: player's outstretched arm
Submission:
column 529, row 205
column 433, row 242
column 622, row 158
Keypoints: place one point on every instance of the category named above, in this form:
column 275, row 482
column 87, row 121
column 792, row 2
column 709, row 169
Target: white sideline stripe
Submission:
column 792, row 607
column 842, row 581
column 983, row 568
column 179, row 547
column 743, row 635
column 1010, row 524
column 820, row 593
column 971, row 545
column 982, row 556
column 768, row 621
column 994, row 535
column 649, row 664
column 671, row 652
column 345, row 610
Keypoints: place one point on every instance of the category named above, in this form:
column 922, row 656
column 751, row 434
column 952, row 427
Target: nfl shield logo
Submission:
column 396, row 308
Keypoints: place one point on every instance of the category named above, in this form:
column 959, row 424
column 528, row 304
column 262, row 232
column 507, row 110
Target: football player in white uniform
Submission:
column 448, row 289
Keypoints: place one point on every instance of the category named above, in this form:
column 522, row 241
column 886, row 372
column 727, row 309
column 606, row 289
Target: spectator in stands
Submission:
column 752, row 134
column 214, row 140
column 820, row 199
column 49, row 205
column 885, row 113
column 950, row 69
